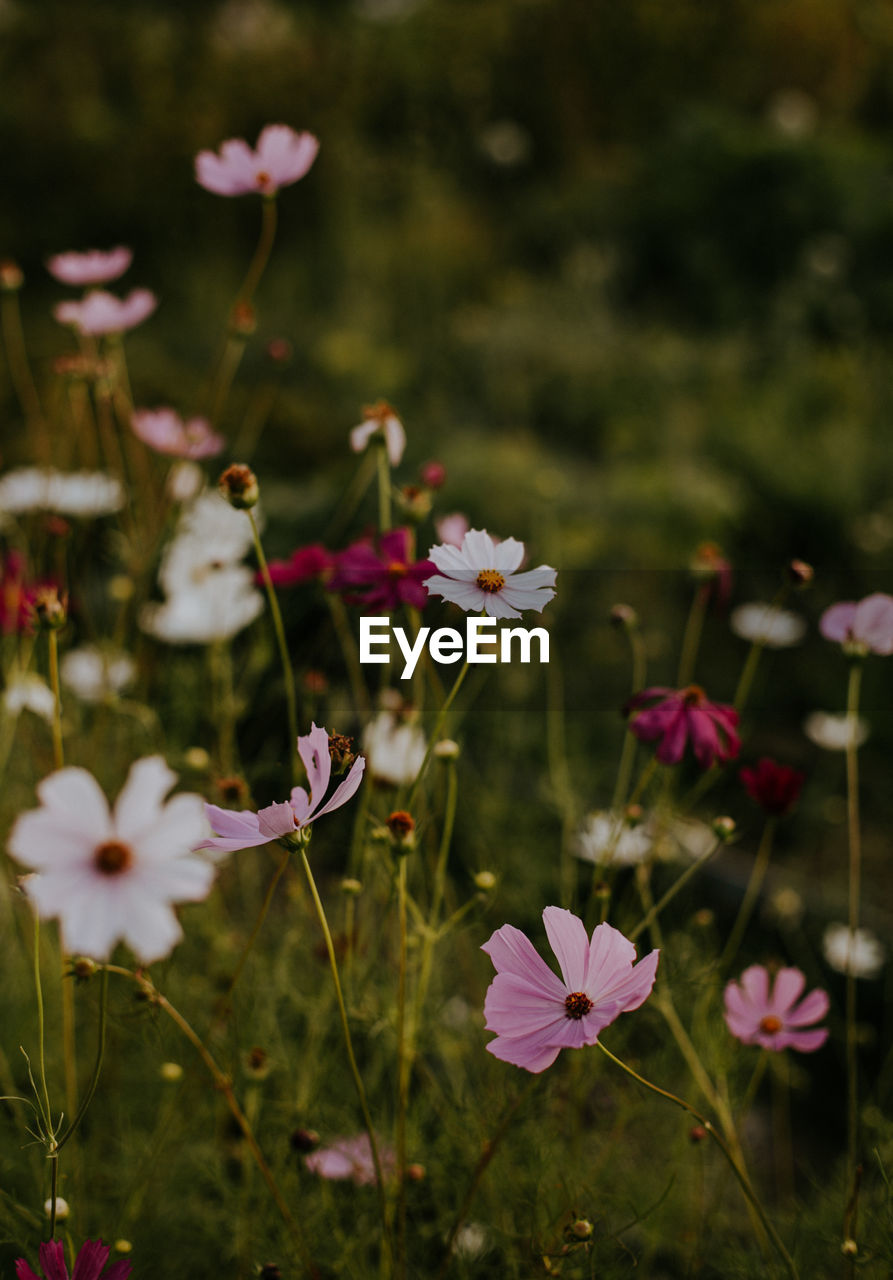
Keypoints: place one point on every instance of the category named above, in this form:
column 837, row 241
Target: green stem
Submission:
column 435, row 734
column 288, row 674
column 53, row 646
column 753, row 657
column 41, row 1059
column 258, row 923
column 20, row 373
column 261, row 252
column 383, row 468
column 97, row 1066
column 628, row 754
column 742, row 1178
column 680, row 883
column 751, row 895
column 348, row 1042
column 855, row 889
column 692, row 637
column 403, row 1068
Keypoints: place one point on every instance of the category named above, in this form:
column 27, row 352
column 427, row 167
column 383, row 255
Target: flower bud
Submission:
column 433, row 474
column 624, row 617
column 416, row 1172
column 279, row 351
column 446, row 749
column 633, row 815
column 232, row 791
column 238, row 484
column 49, row 608
column 170, row 1072
column 120, row 588
column 197, row 759
column 414, row 503
column 724, row 828
column 697, row 1133
column 353, row 888
column 83, row 968
column 123, row 1246
column 485, row 881
column 849, row 1248
column 402, row 828
column 304, row 1140
column 582, row 1229
column 800, row 573
column 63, row 1208
column 11, row 276
column 257, row 1063
column 243, row 319
column 315, row 682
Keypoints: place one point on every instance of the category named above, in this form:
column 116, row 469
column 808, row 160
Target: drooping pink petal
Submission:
column 345, row 789
column 513, row 1007
column 313, row 749
column 533, row 1052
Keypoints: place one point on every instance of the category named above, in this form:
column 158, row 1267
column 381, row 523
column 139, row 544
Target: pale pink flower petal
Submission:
column 569, row 940
column 866, row 626
column 770, row 1015
column 165, row 431
column 282, row 157
column 94, row 266
column 102, row 313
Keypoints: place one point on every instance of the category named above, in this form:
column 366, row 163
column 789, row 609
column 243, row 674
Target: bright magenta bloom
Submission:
column 535, row 1014
column 165, row 431
column 774, row 786
column 679, row 716
column 100, row 312
column 379, row 575
column 93, row 267
column 773, row 1018
column 866, row 627
column 246, row 829
column 281, row 157
column 306, row 564
column 92, row 1257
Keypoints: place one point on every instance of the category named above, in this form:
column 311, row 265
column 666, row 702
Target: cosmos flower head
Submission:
column 312, row 563
column 395, row 748
column 97, row 675
column 379, row 574
column 350, row 1160
column 282, row 156
column 288, row 818
column 536, row 1014
column 92, row 267
column 215, row 606
column 860, row 953
column 861, row 628
column 380, row 421
column 771, row 1013
column 113, row 876
column 480, row 575
column 679, row 717
column 101, row 313
column 68, row 493
column 166, row 432
column 609, row 838
column 767, row 625
column 835, row 732
column 775, row 787
column 92, row 1257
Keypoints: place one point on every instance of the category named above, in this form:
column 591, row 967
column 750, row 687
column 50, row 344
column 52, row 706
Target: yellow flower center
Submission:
column 577, row 1005
column 112, row 858
column 490, row 581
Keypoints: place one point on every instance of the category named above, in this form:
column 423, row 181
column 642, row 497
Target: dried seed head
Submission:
column 239, row 486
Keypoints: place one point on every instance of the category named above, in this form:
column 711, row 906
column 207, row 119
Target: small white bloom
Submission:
column 394, row 750
column 112, row 876
column 62, row 1208
column 768, row 625
column 835, row 732
column 217, row 607
column 471, row 1241
column 185, row 480
column 71, row 493
column 859, row 953
column 608, row 838
column 380, row 420
column 95, row 674
column 28, row 692
column 481, row 575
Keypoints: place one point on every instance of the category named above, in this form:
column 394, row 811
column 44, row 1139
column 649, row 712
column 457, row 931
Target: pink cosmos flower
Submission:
column 92, row 1257
column 481, row 575
column 866, row 627
column 535, row 1014
column 93, row 267
column 100, row 312
column 776, row 787
column 380, row 420
column 165, row 431
column 350, row 1159
column 452, row 529
column 280, row 158
column 773, row 1018
column 682, row 715
column 306, row 564
column 246, row 829
column 113, row 876
column 379, row 575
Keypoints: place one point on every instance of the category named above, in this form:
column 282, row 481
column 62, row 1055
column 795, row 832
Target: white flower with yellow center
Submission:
column 480, row 575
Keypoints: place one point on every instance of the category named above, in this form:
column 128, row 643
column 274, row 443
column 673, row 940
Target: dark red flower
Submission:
column 774, row 786
column 17, row 594
column 679, row 716
column 88, row 1265
column 377, row 573
column 304, row 565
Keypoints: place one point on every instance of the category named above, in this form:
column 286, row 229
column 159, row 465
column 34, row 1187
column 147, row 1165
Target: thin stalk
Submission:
column 404, row 1061
column 53, row 647
column 753, row 657
column 383, row 468
column 20, row 372
column 742, row 1178
column 223, row 1084
column 855, row 889
column 692, row 638
column 346, row 640
column 41, row 1059
column 261, row 252
column 287, row 673
column 97, row 1066
column 355, row 1070
column 751, row 895
column 680, row 883
column 258, row 923
column 628, row 753
column 435, row 734
column 754, row 1083
column 559, row 773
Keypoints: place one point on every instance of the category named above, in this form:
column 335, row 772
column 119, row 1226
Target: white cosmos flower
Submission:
column 859, row 953
column 767, row 625
column 95, row 674
column 834, row 732
column 28, row 692
column 380, row 420
column 481, row 575
column 608, row 837
column 216, row 607
column 113, row 876
column 394, row 750
column 210, row 535
column 67, row 493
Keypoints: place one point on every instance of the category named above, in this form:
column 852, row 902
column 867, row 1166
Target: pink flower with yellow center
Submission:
column 480, row 575
column 682, row 716
column 280, row 158
column 771, row 1013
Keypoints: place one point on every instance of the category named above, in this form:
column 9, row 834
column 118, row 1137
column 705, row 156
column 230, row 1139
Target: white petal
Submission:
column 178, row 828
column 76, row 797
column 139, row 805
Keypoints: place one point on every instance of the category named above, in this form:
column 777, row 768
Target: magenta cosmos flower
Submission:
column 101, row 313
column 95, row 266
column 92, row 1257
column 776, row 787
column 280, row 158
column 866, row 627
column 379, row 574
column 312, row 563
column 350, row 1159
column 535, row 1014
column 481, row 575
column 773, row 1015
column 113, row 876
column 380, row 420
column 165, row 431
column 245, row 829
column 679, row 716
